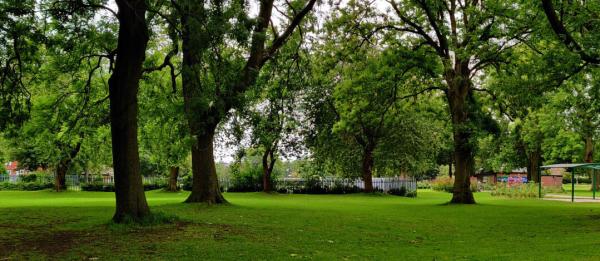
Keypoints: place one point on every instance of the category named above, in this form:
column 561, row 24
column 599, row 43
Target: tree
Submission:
column 577, row 26
column 368, row 100
column 208, row 29
column 467, row 38
column 271, row 113
column 19, row 32
column 123, row 90
column 164, row 142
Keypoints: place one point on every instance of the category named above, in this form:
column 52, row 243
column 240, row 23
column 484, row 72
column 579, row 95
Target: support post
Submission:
column 539, row 172
column 593, row 183
column 573, row 186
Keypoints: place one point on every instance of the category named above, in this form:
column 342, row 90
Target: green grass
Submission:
column 256, row 226
column 581, row 190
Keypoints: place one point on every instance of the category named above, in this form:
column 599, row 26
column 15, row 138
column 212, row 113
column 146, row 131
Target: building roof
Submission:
column 13, row 165
column 573, row 165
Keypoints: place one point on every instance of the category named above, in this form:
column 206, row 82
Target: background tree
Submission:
column 219, row 65
column 19, row 33
column 575, row 23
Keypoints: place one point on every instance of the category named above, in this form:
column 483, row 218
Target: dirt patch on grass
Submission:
column 94, row 243
column 47, row 244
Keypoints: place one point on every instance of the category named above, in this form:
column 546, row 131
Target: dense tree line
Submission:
column 354, row 89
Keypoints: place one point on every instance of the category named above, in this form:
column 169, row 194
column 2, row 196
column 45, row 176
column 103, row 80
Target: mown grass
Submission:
column 256, row 226
column 581, row 190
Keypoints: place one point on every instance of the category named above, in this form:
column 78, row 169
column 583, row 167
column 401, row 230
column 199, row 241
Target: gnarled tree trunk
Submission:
column 123, row 89
column 173, row 176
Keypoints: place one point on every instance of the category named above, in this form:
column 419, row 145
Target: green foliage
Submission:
column 247, row 176
column 26, row 185
column 424, row 184
column 100, row 186
column 522, row 190
column 446, row 184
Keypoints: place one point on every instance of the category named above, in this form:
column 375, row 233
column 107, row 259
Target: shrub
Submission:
column 443, row 184
column 447, row 184
column 29, row 178
column 424, row 184
column 28, row 186
column 398, row 192
column 96, row 186
column 412, row 194
column 111, row 187
column 8, row 186
column 523, row 190
column 487, row 187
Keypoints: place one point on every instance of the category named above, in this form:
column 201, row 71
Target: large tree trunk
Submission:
column 459, row 95
column 173, row 176
column 205, row 184
column 60, row 183
column 268, row 163
column 450, row 169
column 123, row 89
column 533, row 164
column 588, row 155
column 367, row 168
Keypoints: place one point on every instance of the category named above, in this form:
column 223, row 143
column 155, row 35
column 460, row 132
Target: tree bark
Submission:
column 268, row 163
column 60, row 183
column 367, row 168
column 588, row 156
column 63, row 167
column 459, row 95
column 205, row 184
column 173, row 175
column 533, row 164
column 450, row 169
column 123, row 89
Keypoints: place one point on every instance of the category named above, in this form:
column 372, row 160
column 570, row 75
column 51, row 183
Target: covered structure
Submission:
column 573, row 166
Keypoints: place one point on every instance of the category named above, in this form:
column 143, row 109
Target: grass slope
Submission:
column 255, row 226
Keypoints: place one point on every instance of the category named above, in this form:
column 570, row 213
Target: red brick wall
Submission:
column 552, row 181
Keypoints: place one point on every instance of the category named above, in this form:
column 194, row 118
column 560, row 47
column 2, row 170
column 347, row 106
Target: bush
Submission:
column 523, row 190
column 424, row 184
column 98, row 187
column 27, row 186
column 447, row 184
column 111, row 187
column 248, row 179
column 398, row 192
column 29, row 178
column 487, row 187
column 443, row 184
column 412, row 194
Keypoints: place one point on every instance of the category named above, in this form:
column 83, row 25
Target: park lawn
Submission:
column 581, row 190
column 256, row 226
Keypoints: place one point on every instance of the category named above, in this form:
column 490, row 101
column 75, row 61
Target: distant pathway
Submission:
column 567, row 198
